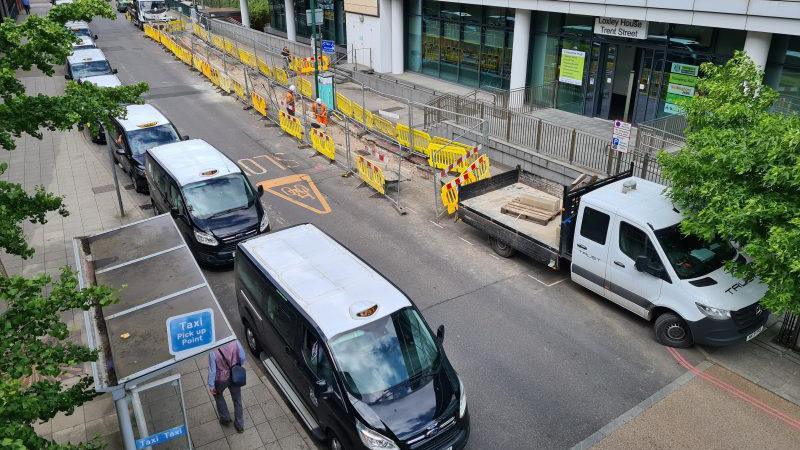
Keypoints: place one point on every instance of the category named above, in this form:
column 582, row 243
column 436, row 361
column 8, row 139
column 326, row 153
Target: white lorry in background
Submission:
column 621, row 239
column 152, row 12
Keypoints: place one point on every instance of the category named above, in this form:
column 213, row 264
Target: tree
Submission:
column 739, row 176
column 34, row 345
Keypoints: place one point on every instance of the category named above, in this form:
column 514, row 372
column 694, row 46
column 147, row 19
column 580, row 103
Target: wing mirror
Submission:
column 185, row 138
column 114, row 71
column 96, row 37
column 440, row 333
column 260, row 190
column 322, row 390
column 643, row 264
column 67, row 76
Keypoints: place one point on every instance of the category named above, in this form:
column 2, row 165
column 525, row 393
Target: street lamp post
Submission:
column 314, row 38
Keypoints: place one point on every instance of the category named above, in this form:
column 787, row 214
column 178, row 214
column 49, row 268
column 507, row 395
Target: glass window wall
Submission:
column 467, row 44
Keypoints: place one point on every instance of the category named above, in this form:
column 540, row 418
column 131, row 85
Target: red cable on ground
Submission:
column 791, row 421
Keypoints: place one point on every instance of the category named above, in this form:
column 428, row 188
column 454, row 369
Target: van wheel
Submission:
column 252, row 341
column 501, row 248
column 672, row 331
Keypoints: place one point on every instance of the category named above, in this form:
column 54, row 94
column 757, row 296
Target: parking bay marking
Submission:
column 297, row 189
column 547, row 285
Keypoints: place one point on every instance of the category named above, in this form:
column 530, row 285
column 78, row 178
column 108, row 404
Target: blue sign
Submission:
column 327, row 47
column 161, row 437
column 190, row 331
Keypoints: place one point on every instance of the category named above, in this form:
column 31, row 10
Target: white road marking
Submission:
column 410, row 209
column 547, row 285
column 468, row 242
column 436, row 224
column 495, row 257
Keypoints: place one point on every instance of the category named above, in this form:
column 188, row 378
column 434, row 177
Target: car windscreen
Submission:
column 83, row 46
column 90, row 69
column 153, row 7
column 690, row 256
column 383, row 354
column 144, row 139
column 82, row 32
column 217, row 196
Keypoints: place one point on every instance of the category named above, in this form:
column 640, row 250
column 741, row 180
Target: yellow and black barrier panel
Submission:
column 281, row 76
column 224, row 82
column 264, row 68
column 384, row 126
column 238, row 89
column 218, row 42
column 259, row 103
column 371, row 174
column 450, row 197
column 291, row 125
column 323, row 143
column 231, row 49
column 358, row 113
column 248, row 58
column 306, row 88
column 344, row 105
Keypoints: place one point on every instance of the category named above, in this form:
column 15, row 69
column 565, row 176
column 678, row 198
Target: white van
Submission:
column 83, row 64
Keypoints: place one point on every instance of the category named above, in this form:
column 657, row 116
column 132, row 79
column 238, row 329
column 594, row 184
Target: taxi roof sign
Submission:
column 148, row 124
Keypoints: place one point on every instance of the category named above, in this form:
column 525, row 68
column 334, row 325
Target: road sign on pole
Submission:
column 190, row 331
column 621, row 136
column 317, row 19
column 328, row 47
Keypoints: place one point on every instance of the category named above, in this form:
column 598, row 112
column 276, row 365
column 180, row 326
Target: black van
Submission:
column 347, row 348
column 212, row 201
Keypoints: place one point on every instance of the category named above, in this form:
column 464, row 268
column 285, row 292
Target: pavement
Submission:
column 545, row 362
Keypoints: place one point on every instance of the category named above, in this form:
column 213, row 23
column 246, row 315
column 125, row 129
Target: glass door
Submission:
column 160, row 415
column 605, row 80
column 648, row 89
column 593, row 86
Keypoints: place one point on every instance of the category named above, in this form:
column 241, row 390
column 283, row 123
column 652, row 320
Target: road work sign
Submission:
column 190, row 331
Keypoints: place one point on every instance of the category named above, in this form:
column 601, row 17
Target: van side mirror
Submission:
column 643, row 264
column 114, row 71
column 120, row 151
column 174, row 213
column 185, row 138
column 67, row 76
column 322, row 390
column 260, row 190
column 96, row 37
column 440, row 333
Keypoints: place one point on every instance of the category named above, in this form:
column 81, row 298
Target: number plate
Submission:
column 755, row 333
column 233, row 254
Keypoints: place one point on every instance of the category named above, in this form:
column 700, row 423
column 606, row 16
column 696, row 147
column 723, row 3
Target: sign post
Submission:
column 190, row 331
column 621, row 136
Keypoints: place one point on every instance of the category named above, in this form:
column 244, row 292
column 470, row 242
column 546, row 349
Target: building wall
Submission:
column 365, row 36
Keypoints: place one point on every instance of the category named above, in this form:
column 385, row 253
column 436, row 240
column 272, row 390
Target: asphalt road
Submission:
column 545, row 362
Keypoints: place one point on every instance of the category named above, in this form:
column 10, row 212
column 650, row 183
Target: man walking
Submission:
column 220, row 362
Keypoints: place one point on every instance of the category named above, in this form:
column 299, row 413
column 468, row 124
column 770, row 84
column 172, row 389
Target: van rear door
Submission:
column 627, row 286
column 590, row 249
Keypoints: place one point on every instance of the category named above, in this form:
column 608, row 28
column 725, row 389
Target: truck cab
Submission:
column 628, row 248
column 149, row 11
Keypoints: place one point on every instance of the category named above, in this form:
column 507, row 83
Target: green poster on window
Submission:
column 683, row 80
column 572, row 62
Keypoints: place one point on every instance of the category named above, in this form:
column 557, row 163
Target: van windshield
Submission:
column 144, row 139
column 154, row 7
column 90, row 69
column 383, row 354
column 214, row 197
column 690, row 256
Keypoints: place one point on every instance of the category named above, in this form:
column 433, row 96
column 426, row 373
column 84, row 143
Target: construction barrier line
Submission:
column 443, row 155
column 259, row 103
column 478, row 170
column 291, row 125
column 371, row 174
column 344, row 105
column 238, row 88
column 264, row 68
column 248, row 58
column 306, row 88
column 461, row 163
column 281, row 76
column 384, row 126
column 323, row 143
column 421, row 139
column 218, row 42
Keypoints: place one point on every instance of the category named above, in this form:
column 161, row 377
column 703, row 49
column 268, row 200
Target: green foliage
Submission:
column 35, row 348
column 739, row 176
column 259, row 14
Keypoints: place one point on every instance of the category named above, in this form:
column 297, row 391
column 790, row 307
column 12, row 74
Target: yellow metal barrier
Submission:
column 175, row 25
column 218, row 42
column 200, row 32
column 198, row 62
column 264, row 68
column 248, row 58
column 477, row 170
column 384, row 126
column 344, row 105
column 481, row 168
column 370, row 119
column 213, row 75
column 450, row 197
column 323, row 143
column 371, row 174
column 291, row 125
column 230, row 48
column 450, row 143
column 281, row 76
column 259, row 103
column 238, row 88
column 442, row 155
column 224, row 83
column 150, row 32
column 306, row 89
column 358, row 113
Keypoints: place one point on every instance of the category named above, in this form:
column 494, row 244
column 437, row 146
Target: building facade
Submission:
column 612, row 59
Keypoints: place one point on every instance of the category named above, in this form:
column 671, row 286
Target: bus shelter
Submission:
column 166, row 314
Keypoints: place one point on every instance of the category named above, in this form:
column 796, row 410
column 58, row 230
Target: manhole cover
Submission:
column 103, row 189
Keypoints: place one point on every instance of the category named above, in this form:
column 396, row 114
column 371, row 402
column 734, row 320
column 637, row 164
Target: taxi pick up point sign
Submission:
column 190, row 331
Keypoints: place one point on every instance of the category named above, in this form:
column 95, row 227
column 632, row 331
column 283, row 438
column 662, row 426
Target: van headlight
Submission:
column 264, row 223
column 462, row 400
column 713, row 313
column 373, row 439
column 205, row 238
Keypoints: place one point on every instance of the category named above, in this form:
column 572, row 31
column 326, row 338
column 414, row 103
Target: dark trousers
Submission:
column 222, row 406
column 27, row 9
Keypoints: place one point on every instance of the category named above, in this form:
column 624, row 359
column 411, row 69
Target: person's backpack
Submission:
column 238, row 374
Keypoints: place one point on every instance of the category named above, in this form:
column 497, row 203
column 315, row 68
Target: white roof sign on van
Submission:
column 84, row 42
column 324, row 278
column 86, row 55
column 646, row 203
column 142, row 116
column 103, row 80
column 192, row 161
